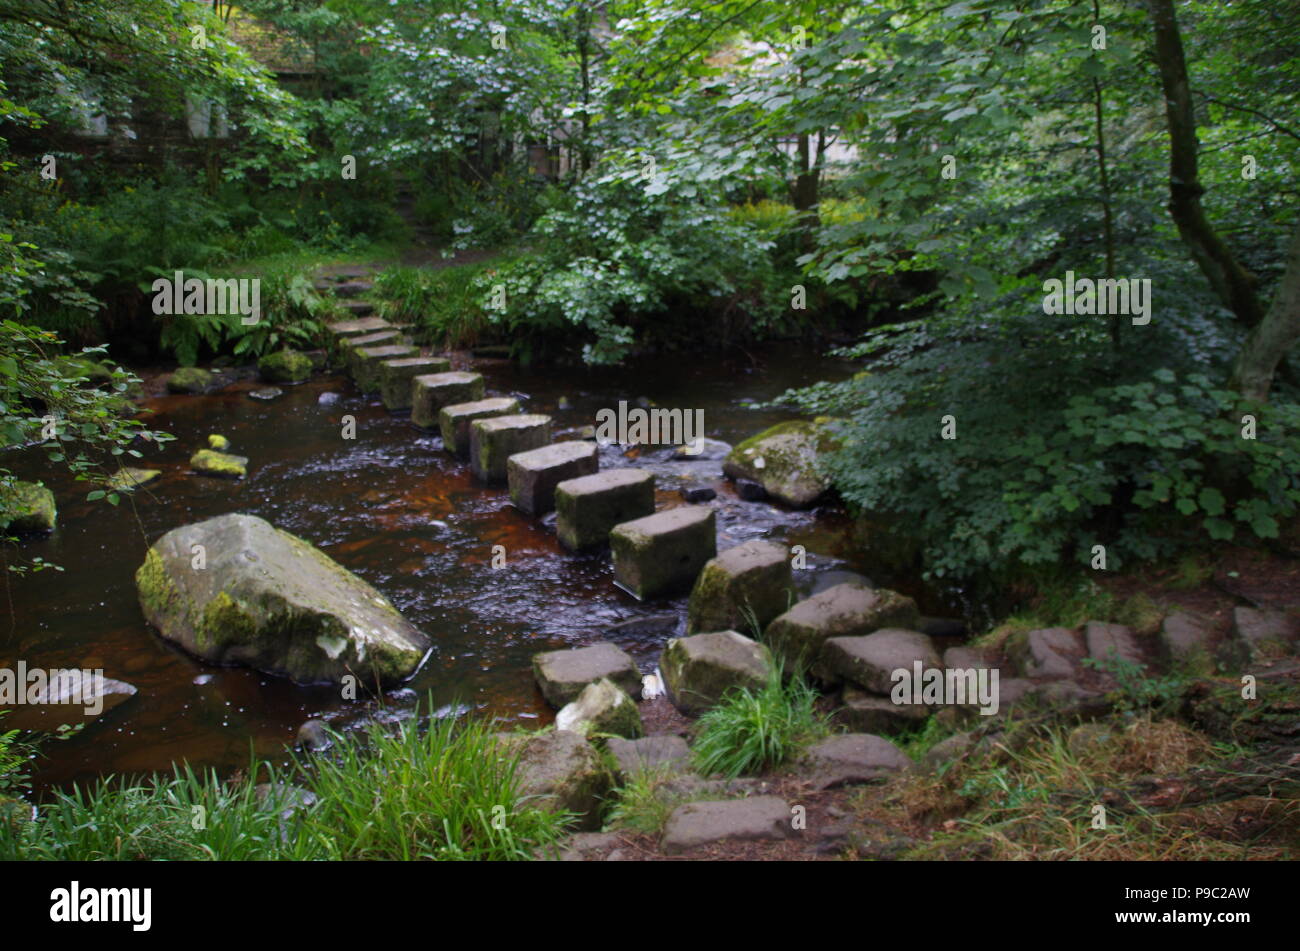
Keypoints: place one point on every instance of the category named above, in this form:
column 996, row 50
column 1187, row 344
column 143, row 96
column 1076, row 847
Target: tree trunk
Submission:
column 1272, row 337
column 1230, row 281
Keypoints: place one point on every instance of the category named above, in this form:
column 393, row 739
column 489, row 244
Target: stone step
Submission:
column 697, row 824
column 562, row 675
column 343, row 329
column 589, row 507
column 395, row 377
column 494, row 440
column 352, row 288
column 366, row 362
column 454, row 420
column 534, row 474
column 379, row 338
column 665, row 552
column 431, row 392
column 358, row 306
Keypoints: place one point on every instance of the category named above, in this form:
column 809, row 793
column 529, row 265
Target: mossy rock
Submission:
column 285, row 366
column 269, row 600
column 126, row 479
column 82, row 365
column 783, row 460
column 189, row 380
column 218, row 443
column 224, row 464
column 27, row 507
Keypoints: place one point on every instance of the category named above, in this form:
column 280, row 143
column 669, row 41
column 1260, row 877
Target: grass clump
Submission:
column 752, row 730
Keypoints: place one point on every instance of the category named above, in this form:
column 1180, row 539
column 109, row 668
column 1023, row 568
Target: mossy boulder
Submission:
column 750, row 582
column 601, row 708
column 27, row 507
column 128, row 478
column 285, row 366
column 264, row 598
column 700, row 670
column 560, row 772
column 213, row 463
column 189, row 380
column 783, row 460
column 845, row 610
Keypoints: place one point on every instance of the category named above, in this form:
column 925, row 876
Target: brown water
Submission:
column 407, row 517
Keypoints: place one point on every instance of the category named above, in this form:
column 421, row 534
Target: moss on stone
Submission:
column 219, row 464
column 218, row 443
column 189, row 380
column 27, row 507
column 285, row 366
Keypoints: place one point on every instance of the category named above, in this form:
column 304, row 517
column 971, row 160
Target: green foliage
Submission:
column 445, row 304
column 1137, row 690
column 752, row 730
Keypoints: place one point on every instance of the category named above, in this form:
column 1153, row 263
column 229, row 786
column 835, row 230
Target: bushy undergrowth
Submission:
column 755, row 729
column 441, row 792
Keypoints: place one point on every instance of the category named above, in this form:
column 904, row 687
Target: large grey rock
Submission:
column 663, row 553
column 269, row 600
column 783, row 460
column 852, row 758
column 560, row 772
column 699, row 670
column 492, row 441
column 588, row 508
column 562, row 675
column 649, row 754
column 697, row 824
column 845, row 610
column 431, row 392
column 1105, row 640
column 45, row 700
column 1264, row 634
column 1048, row 652
column 869, row 660
column 1186, row 638
column 601, row 708
column 27, row 507
column 752, row 581
column 864, row 712
column 454, row 420
column 534, row 474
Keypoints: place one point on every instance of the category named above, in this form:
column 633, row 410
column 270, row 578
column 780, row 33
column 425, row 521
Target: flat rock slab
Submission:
column 853, row 758
column 359, row 308
column 366, row 362
column 1265, row 634
column 650, row 753
column 358, row 327
column 696, row 824
column 560, row 772
column 352, row 288
column 864, row 712
column 601, row 708
column 588, row 508
column 869, row 660
column 1105, row 640
column 751, row 582
column 222, row 464
column 380, row 338
column 454, row 420
column 494, row 440
column 665, row 552
column 395, row 377
column 1053, row 652
column 54, row 698
column 844, row 610
column 563, row 675
column 534, row 474
column 429, row 394
column 1185, row 637
column 700, row 670
column 269, row 600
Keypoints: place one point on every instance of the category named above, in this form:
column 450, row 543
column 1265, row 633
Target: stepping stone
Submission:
column 664, row 752
column 344, row 329
column 751, row 583
column 533, row 475
column 601, row 708
column 455, row 420
column 869, row 661
column 395, row 377
column 696, row 824
column 352, row 288
column 358, row 307
column 367, row 360
column 699, row 670
column 1264, row 634
column 494, row 440
column 1050, row 652
column 853, row 758
column 1186, row 637
column 1104, row 640
column 379, row 338
column 664, row 552
column 844, row 610
column 562, row 771
column 589, row 507
column 563, row 675
column 864, row 712
column 429, row 394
